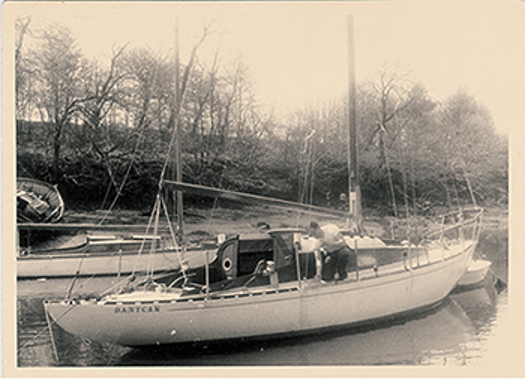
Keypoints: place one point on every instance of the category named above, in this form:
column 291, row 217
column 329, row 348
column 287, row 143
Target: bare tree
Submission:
column 389, row 97
column 101, row 91
column 23, row 70
column 101, row 95
column 59, row 66
column 470, row 146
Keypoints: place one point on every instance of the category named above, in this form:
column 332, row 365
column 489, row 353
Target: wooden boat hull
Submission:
column 38, row 202
column 106, row 263
column 164, row 317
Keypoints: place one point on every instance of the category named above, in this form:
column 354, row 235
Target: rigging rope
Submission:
column 172, row 233
column 128, row 170
column 157, row 209
column 48, row 327
column 176, row 119
column 142, row 245
column 214, row 206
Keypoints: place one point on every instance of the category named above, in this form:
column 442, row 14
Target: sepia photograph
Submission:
column 292, row 189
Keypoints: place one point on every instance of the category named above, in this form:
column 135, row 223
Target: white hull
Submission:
column 163, row 317
column 105, row 264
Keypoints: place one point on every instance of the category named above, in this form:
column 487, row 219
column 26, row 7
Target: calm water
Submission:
column 457, row 332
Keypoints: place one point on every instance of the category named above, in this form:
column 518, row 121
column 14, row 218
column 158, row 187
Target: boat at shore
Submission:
column 106, row 254
column 417, row 339
column 38, row 202
column 476, row 272
column 265, row 286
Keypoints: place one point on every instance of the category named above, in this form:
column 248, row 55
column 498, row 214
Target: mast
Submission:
column 352, row 152
column 179, row 175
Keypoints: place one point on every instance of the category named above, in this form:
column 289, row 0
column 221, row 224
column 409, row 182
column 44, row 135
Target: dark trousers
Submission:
column 338, row 262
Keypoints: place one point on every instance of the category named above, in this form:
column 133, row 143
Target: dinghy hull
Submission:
column 476, row 273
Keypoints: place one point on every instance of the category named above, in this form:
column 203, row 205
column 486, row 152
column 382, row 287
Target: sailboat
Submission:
column 266, row 285
column 59, row 250
column 95, row 251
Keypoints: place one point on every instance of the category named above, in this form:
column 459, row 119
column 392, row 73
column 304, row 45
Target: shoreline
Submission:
column 221, row 220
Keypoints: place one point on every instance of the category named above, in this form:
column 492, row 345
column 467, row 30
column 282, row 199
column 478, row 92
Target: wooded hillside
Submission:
column 102, row 129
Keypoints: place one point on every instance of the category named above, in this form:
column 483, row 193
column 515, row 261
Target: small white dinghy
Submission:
column 475, row 273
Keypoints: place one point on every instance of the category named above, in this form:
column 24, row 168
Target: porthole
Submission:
column 227, row 264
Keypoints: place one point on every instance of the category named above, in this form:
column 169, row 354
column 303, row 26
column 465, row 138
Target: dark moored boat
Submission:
column 38, row 202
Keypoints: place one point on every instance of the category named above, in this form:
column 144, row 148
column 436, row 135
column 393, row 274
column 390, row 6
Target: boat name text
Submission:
column 138, row 309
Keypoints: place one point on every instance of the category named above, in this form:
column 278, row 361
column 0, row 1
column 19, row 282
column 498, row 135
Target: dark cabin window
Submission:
column 253, row 249
column 285, row 257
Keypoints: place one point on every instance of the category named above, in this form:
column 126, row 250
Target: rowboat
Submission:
column 37, row 201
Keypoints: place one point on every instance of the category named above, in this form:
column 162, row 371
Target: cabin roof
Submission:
column 254, row 236
column 286, row 230
column 249, row 243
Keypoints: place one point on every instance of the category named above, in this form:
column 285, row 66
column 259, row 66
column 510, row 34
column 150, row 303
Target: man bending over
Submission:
column 338, row 254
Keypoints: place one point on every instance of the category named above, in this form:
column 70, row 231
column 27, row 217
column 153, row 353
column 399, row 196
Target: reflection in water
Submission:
column 444, row 335
column 450, row 334
column 479, row 304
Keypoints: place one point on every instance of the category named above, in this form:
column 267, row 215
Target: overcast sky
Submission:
column 297, row 52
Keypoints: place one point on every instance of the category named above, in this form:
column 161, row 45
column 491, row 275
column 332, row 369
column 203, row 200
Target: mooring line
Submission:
column 49, row 327
column 51, row 333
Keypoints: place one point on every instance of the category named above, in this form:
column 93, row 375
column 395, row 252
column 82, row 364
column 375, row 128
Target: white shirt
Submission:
column 333, row 239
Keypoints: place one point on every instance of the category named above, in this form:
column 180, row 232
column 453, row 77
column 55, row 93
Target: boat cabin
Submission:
column 250, row 260
column 273, row 258
column 264, row 253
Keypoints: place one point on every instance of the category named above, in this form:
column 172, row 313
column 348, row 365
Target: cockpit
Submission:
column 263, row 259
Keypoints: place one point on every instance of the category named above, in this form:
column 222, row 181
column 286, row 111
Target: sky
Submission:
column 297, row 52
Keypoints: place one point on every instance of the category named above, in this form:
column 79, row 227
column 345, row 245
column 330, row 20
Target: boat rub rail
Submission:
column 182, row 300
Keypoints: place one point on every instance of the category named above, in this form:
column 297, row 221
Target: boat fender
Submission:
column 270, row 268
column 406, row 266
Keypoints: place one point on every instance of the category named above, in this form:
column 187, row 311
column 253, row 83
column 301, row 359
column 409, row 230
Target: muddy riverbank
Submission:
column 200, row 222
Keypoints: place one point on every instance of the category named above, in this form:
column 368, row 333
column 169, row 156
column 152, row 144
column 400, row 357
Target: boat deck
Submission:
column 251, row 285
